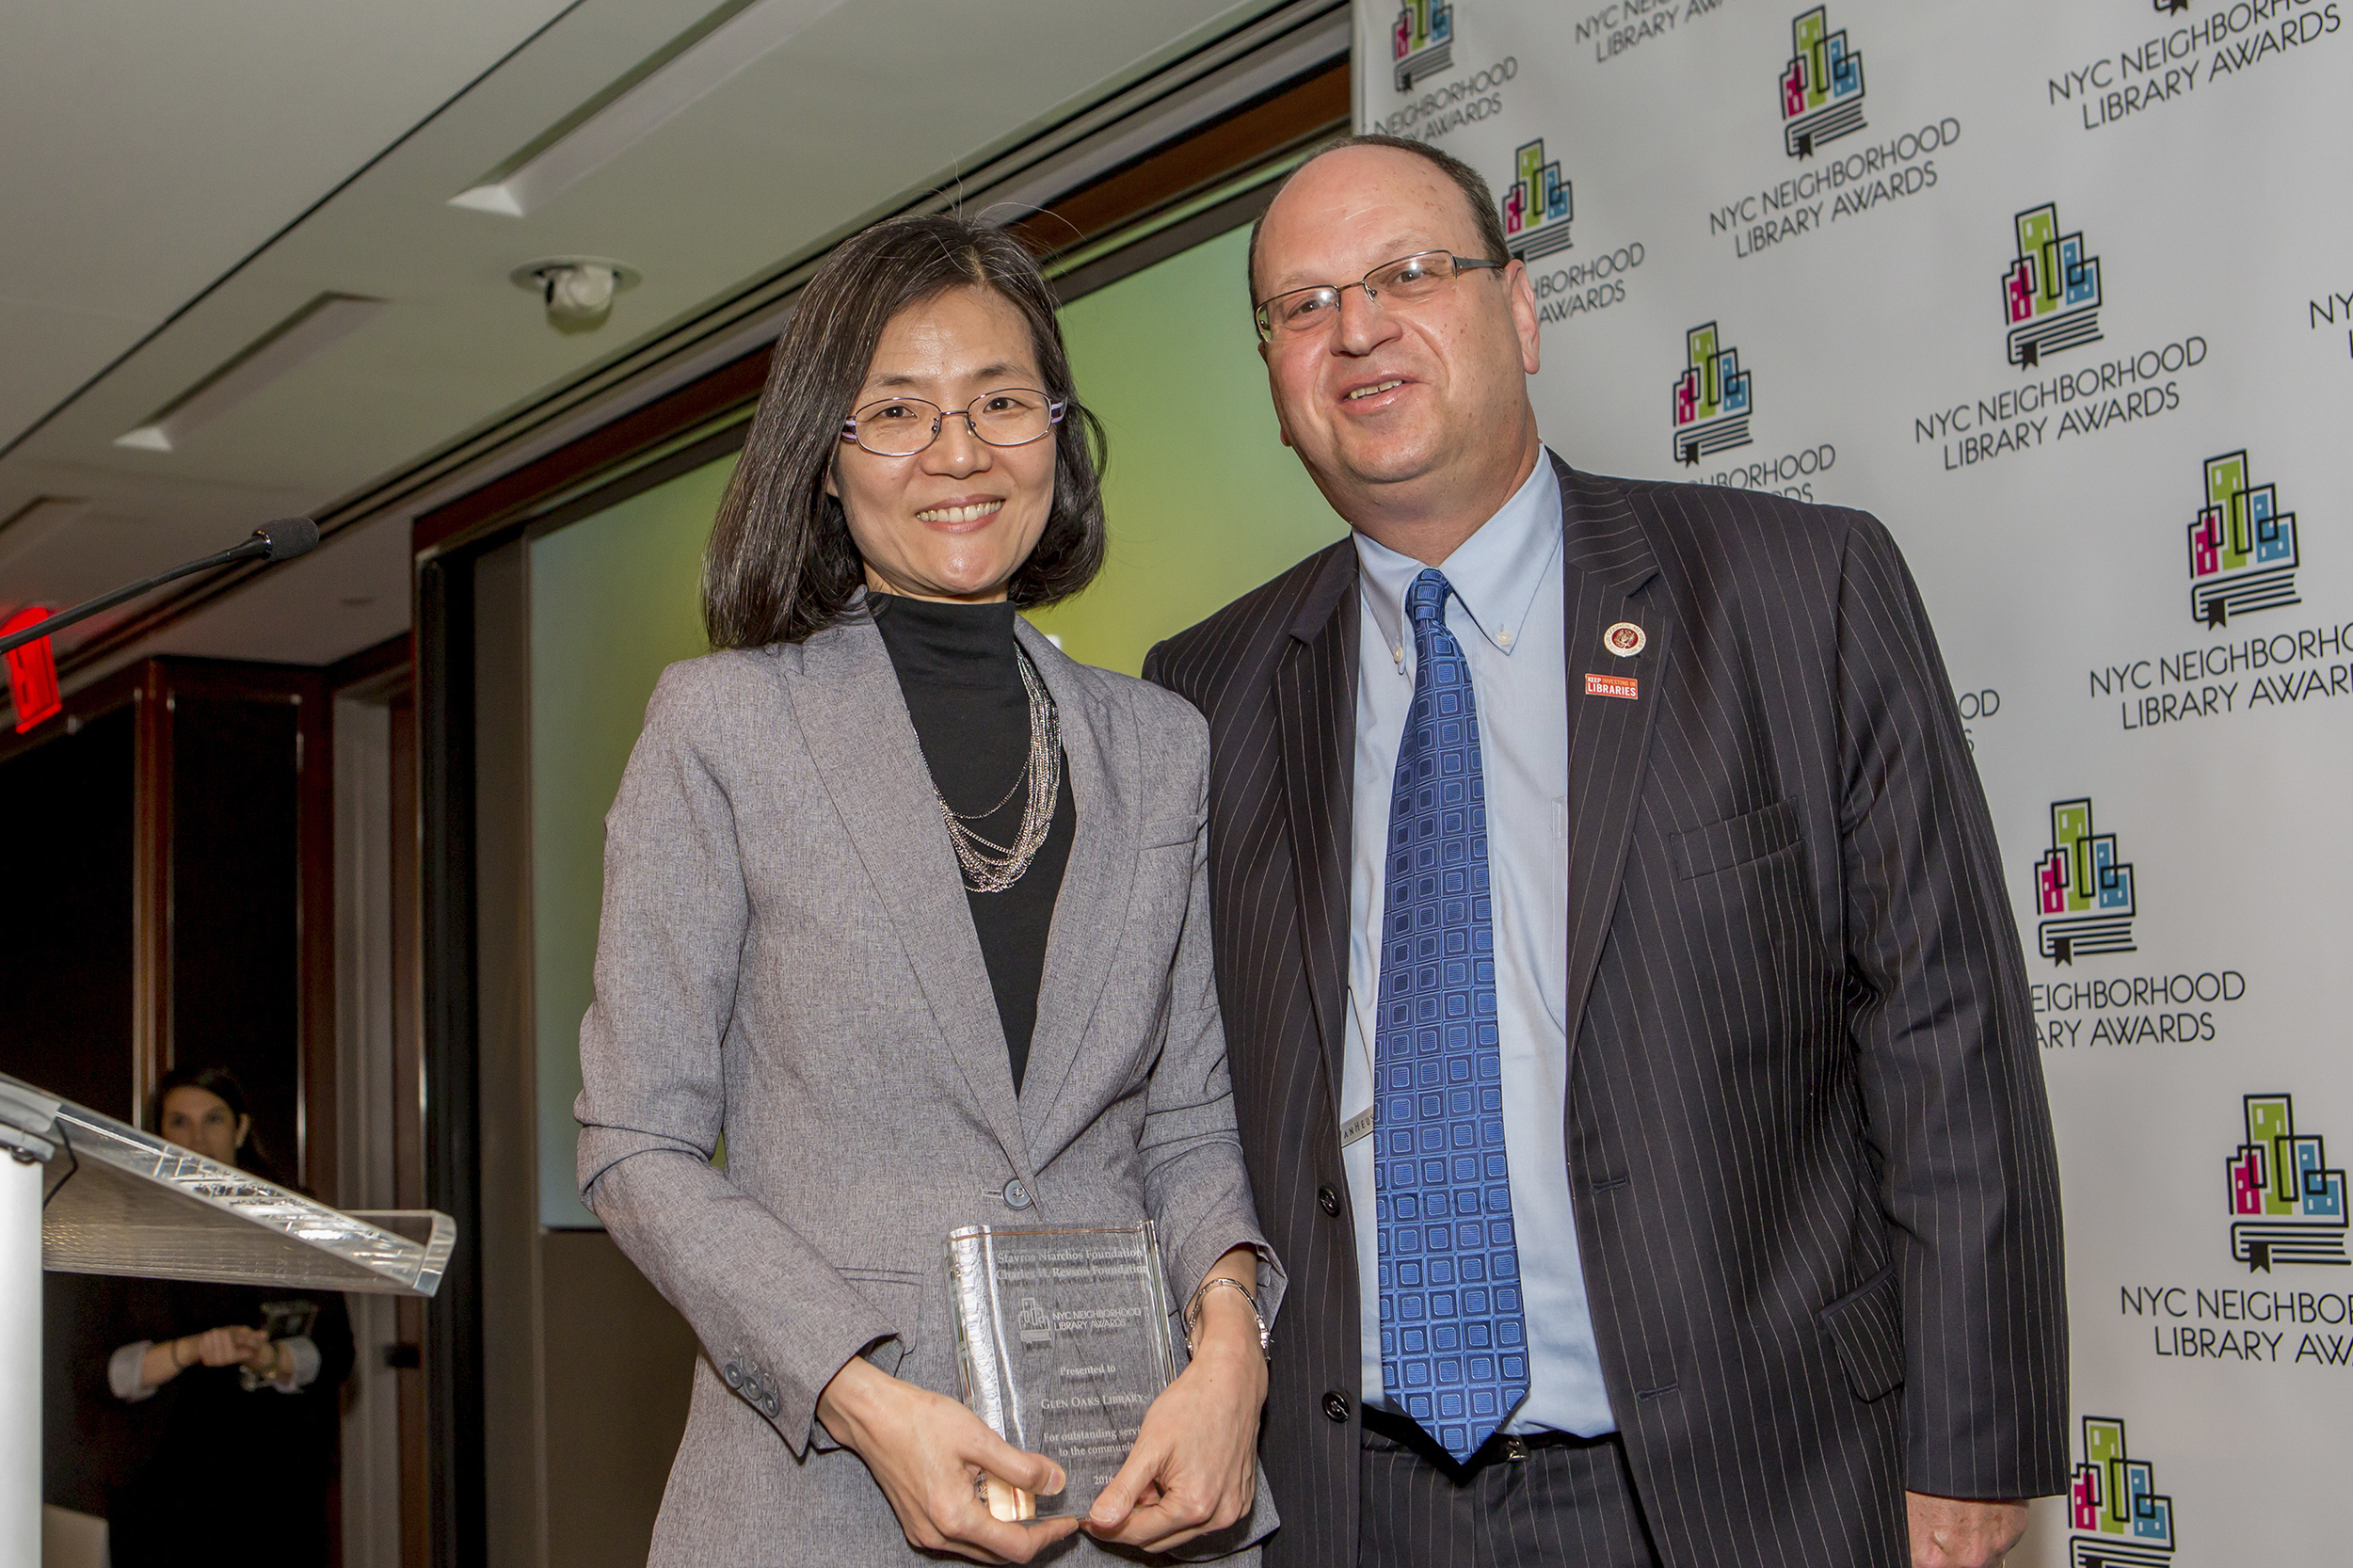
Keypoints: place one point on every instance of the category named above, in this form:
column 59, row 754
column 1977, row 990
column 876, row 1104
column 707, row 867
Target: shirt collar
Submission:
column 1496, row 574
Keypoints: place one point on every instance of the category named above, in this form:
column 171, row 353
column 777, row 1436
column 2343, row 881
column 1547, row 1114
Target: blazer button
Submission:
column 1328, row 1200
column 1336, row 1406
column 732, row 1374
column 1017, row 1195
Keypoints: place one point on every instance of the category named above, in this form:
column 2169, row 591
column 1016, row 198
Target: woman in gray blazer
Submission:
column 905, row 929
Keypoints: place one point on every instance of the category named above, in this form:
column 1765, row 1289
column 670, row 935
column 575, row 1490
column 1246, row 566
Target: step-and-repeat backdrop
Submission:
column 2063, row 294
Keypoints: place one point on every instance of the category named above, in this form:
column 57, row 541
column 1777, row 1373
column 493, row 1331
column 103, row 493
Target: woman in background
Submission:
column 233, row 1388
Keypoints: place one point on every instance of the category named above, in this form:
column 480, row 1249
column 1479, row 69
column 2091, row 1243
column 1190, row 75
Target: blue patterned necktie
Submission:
column 1454, row 1334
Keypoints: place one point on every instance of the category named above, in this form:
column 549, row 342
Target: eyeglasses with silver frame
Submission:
column 1407, row 281
column 902, row 426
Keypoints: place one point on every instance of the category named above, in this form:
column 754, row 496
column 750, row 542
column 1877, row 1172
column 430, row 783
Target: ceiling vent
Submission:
column 310, row 330
column 689, row 69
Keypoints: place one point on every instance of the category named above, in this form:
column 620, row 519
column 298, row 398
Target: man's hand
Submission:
column 1951, row 1532
column 926, row 1453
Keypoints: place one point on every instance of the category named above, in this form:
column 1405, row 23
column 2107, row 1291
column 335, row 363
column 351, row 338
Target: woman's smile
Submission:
column 962, row 514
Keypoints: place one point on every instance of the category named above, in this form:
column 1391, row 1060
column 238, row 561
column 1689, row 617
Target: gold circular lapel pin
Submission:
column 1626, row 639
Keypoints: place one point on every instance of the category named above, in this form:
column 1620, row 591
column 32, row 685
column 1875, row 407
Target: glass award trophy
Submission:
column 1063, row 1338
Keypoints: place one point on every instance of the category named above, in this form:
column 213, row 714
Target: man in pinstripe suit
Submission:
column 1599, row 872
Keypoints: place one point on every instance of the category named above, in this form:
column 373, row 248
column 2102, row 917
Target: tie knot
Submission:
column 1425, row 602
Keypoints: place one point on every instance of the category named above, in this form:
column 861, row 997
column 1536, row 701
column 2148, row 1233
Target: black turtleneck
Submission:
column 959, row 674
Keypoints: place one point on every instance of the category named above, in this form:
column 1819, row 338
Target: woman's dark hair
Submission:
column 221, row 1084
column 781, row 564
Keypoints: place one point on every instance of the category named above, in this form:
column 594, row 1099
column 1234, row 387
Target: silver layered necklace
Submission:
column 990, row 866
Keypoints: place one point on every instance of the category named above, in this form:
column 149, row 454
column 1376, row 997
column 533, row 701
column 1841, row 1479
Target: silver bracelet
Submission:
column 1193, row 1312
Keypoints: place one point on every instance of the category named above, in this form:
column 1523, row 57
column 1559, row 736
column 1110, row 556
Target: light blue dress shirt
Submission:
column 1507, row 612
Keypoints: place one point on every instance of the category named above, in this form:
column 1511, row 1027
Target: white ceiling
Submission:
column 180, row 180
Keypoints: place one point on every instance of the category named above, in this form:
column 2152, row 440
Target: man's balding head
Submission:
column 1478, row 201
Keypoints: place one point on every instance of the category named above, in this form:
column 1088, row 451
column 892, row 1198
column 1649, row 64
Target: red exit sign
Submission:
column 32, row 671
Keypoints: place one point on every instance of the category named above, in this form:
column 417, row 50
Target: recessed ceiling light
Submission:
column 616, row 125
column 310, row 330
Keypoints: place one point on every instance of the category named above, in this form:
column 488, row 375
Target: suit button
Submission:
column 1017, row 1195
column 1328, row 1200
column 732, row 1374
column 1336, row 1406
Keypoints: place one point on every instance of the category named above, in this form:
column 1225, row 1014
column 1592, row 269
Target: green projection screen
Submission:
column 1203, row 500
column 614, row 598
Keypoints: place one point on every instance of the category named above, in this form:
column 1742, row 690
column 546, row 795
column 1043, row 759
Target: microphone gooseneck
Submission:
column 281, row 540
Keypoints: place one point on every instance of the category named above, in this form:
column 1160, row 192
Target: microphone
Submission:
column 286, row 538
column 282, row 540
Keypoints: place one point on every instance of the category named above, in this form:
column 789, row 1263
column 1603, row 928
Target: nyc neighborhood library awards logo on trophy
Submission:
column 2051, row 291
column 2121, row 1519
column 2083, row 888
column 1821, row 88
column 1421, row 41
column 1537, row 205
column 2288, row 1204
column 1711, row 398
column 2242, row 548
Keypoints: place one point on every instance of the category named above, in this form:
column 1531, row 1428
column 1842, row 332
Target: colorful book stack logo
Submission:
column 2082, row 887
column 2290, row 1205
column 1821, row 88
column 2242, row 548
column 2121, row 1519
column 1536, row 206
column 1711, row 398
column 1421, row 41
column 2050, row 292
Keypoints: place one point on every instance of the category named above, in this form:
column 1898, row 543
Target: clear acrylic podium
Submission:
column 85, row 1193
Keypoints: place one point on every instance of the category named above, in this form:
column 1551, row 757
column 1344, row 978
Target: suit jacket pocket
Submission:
column 1867, row 1328
column 1735, row 840
column 1168, row 830
column 900, row 1295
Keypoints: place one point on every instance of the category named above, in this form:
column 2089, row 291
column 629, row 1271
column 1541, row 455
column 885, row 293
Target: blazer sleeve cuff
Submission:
column 1192, row 1253
column 776, row 1321
column 796, row 1421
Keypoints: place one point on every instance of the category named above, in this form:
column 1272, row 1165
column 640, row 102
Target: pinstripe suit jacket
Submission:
column 1809, row 1152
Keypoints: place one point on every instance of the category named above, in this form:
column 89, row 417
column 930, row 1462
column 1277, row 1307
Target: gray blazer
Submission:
column 787, row 963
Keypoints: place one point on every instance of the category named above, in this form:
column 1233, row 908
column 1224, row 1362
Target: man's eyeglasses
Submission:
column 1407, row 281
column 902, row 426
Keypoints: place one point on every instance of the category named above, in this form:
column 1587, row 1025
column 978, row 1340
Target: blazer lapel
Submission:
column 1102, row 749
column 855, row 721
column 1315, row 695
column 1612, row 576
